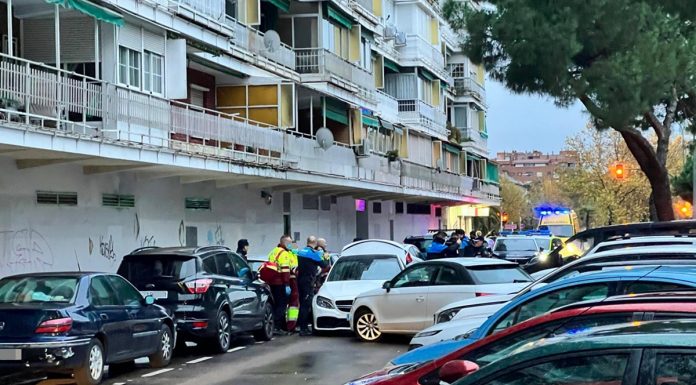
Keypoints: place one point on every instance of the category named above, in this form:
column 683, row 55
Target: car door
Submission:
column 255, row 288
column 111, row 316
column 665, row 367
column 143, row 321
column 450, row 285
column 403, row 308
column 241, row 298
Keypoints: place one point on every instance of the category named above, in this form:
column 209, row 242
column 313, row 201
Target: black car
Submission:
column 517, row 248
column 211, row 292
column 75, row 323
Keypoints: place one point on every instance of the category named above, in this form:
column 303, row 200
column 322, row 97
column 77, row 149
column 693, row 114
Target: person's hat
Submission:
column 241, row 243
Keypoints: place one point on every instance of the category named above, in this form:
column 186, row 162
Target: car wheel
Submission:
column 92, row 369
column 163, row 355
column 266, row 331
column 366, row 326
column 223, row 334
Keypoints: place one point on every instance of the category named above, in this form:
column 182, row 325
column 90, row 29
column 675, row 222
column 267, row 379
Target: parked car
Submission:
column 616, row 354
column 519, row 248
column 75, row 323
column 211, row 292
column 585, row 287
column 422, row 242
column 572, row 319
column 363, row 266
column 406, row 303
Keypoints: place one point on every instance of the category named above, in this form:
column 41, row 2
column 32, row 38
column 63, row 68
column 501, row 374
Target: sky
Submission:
column 526, row 122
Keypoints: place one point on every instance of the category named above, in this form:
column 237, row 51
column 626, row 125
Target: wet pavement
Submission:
column 291, row 360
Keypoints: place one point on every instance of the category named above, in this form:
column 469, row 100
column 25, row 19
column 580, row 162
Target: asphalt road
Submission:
column 289, row 360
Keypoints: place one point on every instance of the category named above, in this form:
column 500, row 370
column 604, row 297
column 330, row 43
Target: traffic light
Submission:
column 618, row 171
column 505, row 217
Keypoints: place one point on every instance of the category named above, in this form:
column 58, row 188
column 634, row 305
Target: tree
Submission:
column 629, row 62
column 514, row 200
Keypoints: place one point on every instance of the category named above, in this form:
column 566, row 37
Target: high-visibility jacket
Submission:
column 277, row 270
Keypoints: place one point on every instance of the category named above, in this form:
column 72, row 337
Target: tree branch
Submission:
column 671, row 110
column 655, row 124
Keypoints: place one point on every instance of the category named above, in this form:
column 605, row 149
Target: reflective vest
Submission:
column 277, row 270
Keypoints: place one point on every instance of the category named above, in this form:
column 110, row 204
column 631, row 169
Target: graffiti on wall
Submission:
column 24, row 250
column 106, row 248
column 148, row 240
column 215, row 236
column 182, row 233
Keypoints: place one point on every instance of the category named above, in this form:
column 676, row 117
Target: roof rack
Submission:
column 139, row 249
column 209, row 248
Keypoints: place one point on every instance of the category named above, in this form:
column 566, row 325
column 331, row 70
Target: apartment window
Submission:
column 129, row 67
column 336, row 39
column 377, row 207
column 153, row 72
column 366, row 54
column 425, row 90
column 458, row 70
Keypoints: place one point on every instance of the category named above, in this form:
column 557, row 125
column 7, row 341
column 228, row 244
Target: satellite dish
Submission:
column 325, row 138
column 271, row 41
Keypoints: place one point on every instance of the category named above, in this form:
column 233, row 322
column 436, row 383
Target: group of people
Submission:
column 291, row 274
column 459, row 244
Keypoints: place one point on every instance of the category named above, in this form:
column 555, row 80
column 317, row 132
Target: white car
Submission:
column 455, row 319
column 363, row 266
column 405, row 304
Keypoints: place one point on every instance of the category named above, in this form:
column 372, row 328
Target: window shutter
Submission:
column 153, row 42
column 130, row 36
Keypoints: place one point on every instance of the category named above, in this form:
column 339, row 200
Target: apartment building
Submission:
column 535, row 166
column 129, row 123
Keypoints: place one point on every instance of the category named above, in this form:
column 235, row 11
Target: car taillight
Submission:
column 199, row 286
column 409, row 259
column 59, row 325
column 199, row 324
column 483, row 294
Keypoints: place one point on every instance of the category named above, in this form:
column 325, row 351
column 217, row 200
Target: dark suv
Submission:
column 210, row 291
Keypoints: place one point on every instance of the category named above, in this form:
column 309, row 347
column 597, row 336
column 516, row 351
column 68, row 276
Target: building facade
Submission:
column 130, row 123
column 534, row 166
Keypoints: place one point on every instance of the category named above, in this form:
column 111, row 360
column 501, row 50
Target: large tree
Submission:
column 631, row 63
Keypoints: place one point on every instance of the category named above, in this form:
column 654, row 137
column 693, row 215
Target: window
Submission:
column 310, row 202
column 675, row 369
column 377, row 207
column 224, row 265
column 416, row 277
column 364, row 267
column 209, row 265
column 607, row 369
column 126, row 293
column 129, row 67
column 240, row 267
column 495, row 274
column 650, row 287
column 425, row 92
column 101, row 293
column 552, row 300
column 448, row 276
column 399, row 207
column 152, row 66
column 38, row 289
column 336, row 39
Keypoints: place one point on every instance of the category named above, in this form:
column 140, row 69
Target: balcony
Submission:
column 416, row 111
column 387, row 107
column 332, row 68
column 425, row 178
column 420, row 52
column 475, row 139
column 470, row 87
column 251, row 40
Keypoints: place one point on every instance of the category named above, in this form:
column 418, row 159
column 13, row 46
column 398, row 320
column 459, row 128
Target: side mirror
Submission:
column 386, row 286
column 455, row 370
column 149, row 300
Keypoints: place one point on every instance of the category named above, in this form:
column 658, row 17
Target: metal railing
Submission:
column 415, row 111
column 473, row 137
column 469, row 86
column 252, row 40
column 324, row 62
column 418, row 48
column 388, row 106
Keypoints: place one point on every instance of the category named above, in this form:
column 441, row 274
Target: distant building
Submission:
column 534, row 166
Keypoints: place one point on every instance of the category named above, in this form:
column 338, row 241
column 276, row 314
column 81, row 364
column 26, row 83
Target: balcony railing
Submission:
column 387, row 106
column 367, row 4
column 472, row 137
column 214, row 9
column 417, row 48
column 324, row 62
column 426, row 178
column 416, row 111
column 252, row 40
column 469, row 86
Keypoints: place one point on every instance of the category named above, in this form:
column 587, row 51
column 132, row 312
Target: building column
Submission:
column 10, row 44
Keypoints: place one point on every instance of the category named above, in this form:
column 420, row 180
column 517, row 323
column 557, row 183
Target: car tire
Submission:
column 266, row 331
column 366, row 326
column 92, row 370
column 222, row 340
column 163, row 355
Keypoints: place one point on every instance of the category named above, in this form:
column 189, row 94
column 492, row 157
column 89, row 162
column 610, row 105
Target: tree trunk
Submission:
column 656, row 172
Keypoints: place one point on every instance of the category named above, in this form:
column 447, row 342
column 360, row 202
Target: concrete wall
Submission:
column 36, row 237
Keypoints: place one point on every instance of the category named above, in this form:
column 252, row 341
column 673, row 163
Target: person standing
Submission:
column 310, row 261
column 243, row 248
column 276, row 273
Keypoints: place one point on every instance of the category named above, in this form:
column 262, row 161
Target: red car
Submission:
column 566, row 320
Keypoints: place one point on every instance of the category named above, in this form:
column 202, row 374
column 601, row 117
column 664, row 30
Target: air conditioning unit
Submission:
column 400, row 39
column 363, row 149
column 390, row 32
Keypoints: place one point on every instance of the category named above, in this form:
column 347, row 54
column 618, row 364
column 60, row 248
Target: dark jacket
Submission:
column 439, row 249
column 309, row 261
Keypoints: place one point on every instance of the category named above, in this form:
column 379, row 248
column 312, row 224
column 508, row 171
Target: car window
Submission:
column 224, row 265
column 675, row 369
column 101, row 293
column 38, row 289
column 650, row 287
column 209, row 265
column 491, row 274
column 126, row 292
column 555, row 299
column 605, row 369
column 516, row 244
column 448, row 276
column 365, row 267
column 146, row 269
column 240, row 267
column 416, row 276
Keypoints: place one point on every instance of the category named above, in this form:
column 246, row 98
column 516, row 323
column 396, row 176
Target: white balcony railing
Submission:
column 387, row 106
column 427, row 178
column 475, row 139
column 324, row 62
column 469, row 86
column 367, row 4
column 214, row 9
column 252, row 40
column 415, row 111
column 417, row 48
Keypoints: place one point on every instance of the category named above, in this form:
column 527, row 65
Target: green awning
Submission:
column 370, row 121
column 336, row 111
column 453, row 149
column 472, row 156
column 391, row 65
column 283, row 5
column 336, row 15
column 426, row 74
column 88, row 8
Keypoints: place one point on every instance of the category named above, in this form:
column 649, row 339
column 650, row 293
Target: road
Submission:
column 287, row 360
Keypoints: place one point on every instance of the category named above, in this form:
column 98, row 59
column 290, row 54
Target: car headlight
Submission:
column 542, row 256
column 324, row 302
column 447, row 315
column 427, row 334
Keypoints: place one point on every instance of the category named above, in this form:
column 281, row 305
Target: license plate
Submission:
column 10, row 354
column 155, row 294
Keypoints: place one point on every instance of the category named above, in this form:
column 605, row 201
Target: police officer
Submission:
column 310, row 261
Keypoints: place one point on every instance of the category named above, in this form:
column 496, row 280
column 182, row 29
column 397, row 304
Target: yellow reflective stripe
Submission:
column 293, row 313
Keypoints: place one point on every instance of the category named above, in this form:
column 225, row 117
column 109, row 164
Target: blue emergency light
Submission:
column 542, row 211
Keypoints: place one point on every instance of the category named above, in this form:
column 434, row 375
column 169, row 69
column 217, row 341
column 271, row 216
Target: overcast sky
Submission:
column 524, row 122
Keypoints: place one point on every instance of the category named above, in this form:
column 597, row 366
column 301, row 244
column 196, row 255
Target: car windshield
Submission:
column 38, row 289
column 486, row 275
column 561, row 230
column 153, row 267
column 515, row 244
column 365, row 267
